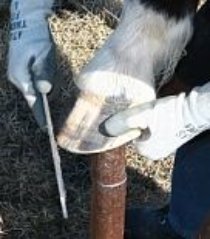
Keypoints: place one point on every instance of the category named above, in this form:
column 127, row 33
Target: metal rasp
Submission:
column 56, row 158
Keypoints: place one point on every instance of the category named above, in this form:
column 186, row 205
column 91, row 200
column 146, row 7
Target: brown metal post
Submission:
column 108, row 195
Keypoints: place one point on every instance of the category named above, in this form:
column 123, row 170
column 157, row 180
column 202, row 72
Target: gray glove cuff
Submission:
column 197, row 107
column 203, row 101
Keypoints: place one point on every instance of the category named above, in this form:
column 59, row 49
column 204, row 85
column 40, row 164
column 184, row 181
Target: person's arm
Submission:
column 169, row 122
column 31, row 66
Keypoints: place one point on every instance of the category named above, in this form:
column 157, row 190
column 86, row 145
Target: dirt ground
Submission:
column 29, row 203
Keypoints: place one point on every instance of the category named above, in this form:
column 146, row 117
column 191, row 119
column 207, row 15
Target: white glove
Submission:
column 170, row 121
column 31, row 52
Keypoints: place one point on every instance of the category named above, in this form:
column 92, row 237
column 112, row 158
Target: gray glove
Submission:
column 31, row 52
column 170, row 122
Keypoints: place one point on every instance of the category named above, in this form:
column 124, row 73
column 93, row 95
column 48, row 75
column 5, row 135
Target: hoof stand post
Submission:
column 108, row 195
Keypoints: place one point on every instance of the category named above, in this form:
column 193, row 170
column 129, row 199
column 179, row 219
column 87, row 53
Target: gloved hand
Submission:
column 169, row 122
column 31, row 66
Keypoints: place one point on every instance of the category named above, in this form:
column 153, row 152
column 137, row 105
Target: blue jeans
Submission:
column 190, row 200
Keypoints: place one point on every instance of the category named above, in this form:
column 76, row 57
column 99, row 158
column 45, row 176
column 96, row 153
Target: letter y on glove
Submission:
column 169, row 122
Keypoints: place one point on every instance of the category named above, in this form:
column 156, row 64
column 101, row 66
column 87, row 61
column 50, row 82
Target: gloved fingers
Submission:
column 38, row 111
column 31, row 95
column 34, row 100
column 20, row 77
column 133, row 118
column 44, row 70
